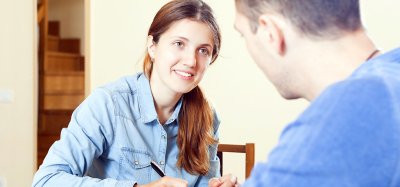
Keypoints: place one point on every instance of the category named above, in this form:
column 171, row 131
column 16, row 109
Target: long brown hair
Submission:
column 196, row 116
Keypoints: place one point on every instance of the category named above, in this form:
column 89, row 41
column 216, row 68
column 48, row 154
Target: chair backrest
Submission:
column 248, row 149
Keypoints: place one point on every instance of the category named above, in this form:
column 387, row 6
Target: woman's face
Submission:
column 181, row 56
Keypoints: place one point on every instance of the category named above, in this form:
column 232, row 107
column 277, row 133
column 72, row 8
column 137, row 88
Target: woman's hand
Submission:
column 225, row 181
column 166, row 182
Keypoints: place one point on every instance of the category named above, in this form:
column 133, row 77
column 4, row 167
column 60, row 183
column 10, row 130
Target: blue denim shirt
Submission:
column 348, row 137
column 112, row 137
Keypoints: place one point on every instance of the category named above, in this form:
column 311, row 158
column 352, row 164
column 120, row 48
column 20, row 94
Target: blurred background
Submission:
column 106, row 40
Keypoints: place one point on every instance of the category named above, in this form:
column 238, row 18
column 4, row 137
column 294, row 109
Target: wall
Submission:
column 71, row 15
column 381, row 22
column 250, row 108
column 117, row 37
column 18, row 75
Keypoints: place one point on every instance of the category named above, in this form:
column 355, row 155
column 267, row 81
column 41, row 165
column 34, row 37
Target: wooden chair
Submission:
column 248, row 149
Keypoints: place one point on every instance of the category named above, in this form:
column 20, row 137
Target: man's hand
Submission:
column 166, row 182
column 225, row 181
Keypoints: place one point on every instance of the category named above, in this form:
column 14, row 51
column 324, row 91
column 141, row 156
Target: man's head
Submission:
column 312, row 18
column 280, row 34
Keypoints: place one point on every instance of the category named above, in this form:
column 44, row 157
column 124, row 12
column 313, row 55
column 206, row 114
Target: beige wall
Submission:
column 71, row 15
column 381, row 21
column 117, row 37
column 248, row 104
column 18, row 75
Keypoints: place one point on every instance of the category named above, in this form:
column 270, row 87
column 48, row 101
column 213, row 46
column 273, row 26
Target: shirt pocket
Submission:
column 135, row 165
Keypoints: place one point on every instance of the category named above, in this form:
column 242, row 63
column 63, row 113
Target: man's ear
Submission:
column 150, row 46
column 273, row 33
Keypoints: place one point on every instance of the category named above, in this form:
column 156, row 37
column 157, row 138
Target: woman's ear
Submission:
column 273, row 33
column 150, row 46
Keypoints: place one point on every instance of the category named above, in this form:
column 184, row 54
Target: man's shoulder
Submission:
column 361, row 103
column 369, row 90
column 386, row 65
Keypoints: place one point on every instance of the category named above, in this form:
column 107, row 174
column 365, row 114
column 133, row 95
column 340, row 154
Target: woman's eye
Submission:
column 204, row 51
column 178, row 44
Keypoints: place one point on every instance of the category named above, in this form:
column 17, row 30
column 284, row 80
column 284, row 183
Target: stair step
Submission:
column 70, row 45
column 40, row 157
column 62, row 101
column 65, row 73
column 45, row 141
column 53, row 121
column 54, row 28
column 53, row 43
column 64, row 82
column 57, row 112
column 59, row 61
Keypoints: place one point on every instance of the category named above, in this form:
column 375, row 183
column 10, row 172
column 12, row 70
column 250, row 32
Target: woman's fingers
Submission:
column 228, row 180
column 214, row 182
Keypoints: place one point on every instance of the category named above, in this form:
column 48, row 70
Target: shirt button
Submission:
column 164, row 137
column 162, row 162
column 136, row 162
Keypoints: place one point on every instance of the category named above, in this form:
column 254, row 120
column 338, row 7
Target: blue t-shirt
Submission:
column 112, row 138
column 348, row 136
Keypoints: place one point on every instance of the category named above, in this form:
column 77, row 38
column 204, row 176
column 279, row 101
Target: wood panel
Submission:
column 47, row 141
column 40, row 157
column 53, row 43
column 44, row 143
column 53, row 121
column 54, row 28
column 70, row 45
column 62, row 102
column 64, row 82
column 58, row 61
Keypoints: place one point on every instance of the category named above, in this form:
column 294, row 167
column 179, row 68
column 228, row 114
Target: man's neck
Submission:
column 332, row 61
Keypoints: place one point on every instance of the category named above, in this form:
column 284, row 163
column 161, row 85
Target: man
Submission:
column 318, row 50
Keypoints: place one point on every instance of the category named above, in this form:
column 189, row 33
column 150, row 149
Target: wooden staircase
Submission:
column 61, row 81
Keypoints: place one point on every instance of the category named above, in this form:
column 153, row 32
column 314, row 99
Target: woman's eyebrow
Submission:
column 180, row 37
column 186, row 39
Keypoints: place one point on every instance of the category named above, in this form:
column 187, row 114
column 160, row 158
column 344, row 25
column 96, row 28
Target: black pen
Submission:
column 157, row 169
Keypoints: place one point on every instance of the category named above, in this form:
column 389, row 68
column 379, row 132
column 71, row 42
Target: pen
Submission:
column 157, row 168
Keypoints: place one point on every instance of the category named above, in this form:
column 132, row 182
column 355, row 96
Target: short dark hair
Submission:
column 313, row 18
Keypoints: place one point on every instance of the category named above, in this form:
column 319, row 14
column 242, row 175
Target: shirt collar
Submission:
column 175, row 115
column 146, row 103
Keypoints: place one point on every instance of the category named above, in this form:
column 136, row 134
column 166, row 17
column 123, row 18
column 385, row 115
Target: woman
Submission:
column 159, row 115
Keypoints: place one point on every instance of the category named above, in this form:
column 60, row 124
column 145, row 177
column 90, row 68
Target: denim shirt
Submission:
column 112, row 138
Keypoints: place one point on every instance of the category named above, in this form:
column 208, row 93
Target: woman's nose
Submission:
column 190, row 59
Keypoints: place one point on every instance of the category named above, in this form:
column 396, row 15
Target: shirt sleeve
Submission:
column 89, row 134
column 214, row 160
column 345, row 138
